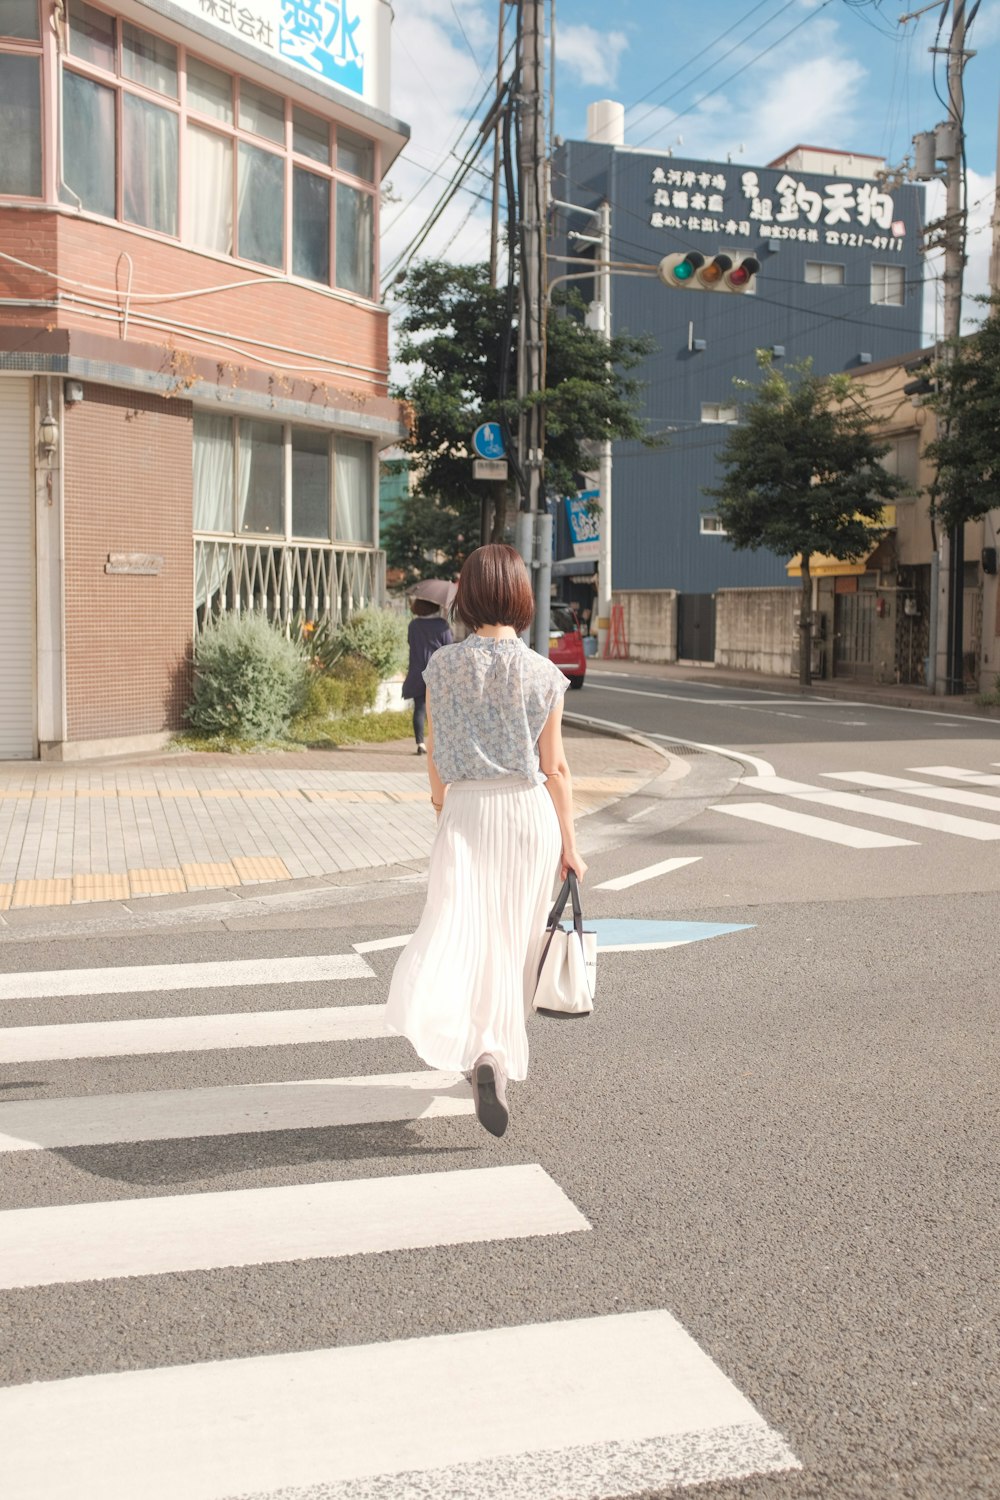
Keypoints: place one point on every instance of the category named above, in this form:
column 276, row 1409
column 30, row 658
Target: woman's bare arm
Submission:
column 437, row 785
column 559, row 785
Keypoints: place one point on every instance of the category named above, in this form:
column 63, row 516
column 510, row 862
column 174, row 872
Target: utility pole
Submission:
column 495, row 204
column 604, row 582
column 534, row 522
column 995, row 255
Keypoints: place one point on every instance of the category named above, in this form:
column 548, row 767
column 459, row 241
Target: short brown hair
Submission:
column 424, row 607
column 494, row 589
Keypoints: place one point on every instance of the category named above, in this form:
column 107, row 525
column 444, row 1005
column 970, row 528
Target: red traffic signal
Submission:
column 691, row 270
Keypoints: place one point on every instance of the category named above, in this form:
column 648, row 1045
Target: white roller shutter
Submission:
column 17, row 574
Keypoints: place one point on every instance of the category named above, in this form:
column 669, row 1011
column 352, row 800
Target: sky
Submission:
column 708, row 81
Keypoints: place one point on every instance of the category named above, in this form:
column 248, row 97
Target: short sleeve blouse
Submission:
column 489, row 700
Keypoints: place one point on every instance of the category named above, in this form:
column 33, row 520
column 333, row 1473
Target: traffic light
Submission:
column 692, row 270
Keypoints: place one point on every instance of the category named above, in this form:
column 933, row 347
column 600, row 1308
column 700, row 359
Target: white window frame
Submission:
column 823, row 266
column 720, row 407
column 706, row 528
column 884, row 300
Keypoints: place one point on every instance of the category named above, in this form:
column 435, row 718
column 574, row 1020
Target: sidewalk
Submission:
column 158, row 827
column 888, row 695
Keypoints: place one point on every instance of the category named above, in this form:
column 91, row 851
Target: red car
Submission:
column 566, row 645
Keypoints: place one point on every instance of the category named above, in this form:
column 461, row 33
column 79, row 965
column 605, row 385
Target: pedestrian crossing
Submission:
column 569, row 1409
column 907, row 808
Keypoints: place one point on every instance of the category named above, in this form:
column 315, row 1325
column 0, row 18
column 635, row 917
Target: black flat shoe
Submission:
column 489, row 1092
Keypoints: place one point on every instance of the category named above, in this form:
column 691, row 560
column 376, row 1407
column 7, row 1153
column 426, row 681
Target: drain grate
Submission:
column 679, row 749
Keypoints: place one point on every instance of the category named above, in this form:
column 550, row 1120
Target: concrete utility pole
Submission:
column 995, row 255
column 950, row 677
column 604, row 583
column 534, row 522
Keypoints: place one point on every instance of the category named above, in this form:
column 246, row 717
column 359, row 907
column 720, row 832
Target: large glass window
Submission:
column 91, row 35
column 888, row 286
column 209, row 90
column 261, row 206
column 149, row 160
column 148, row 60
column 262, row 478
column 209, row 190
column 353, row 488
column 355, row 240
column 20, row 125
column 310, row 483
column 269, row 457
column 213, row 473
column 311, row 226
column 89, row 143
column 250, row 160
column 19, row 18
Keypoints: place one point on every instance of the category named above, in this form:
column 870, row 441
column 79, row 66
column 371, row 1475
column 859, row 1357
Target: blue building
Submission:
column 840, row 282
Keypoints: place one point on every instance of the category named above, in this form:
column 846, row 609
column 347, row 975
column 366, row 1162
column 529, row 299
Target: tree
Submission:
column 967, row 403
column 453, row 335
column 802, row 475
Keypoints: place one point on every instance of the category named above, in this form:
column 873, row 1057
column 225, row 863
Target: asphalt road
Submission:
column 782, row 1135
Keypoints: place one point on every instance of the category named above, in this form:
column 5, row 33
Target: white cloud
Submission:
column 592, row 55
column 981, row 190
column 807, row 91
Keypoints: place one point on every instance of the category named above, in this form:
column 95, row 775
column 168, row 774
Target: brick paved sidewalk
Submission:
column 171, row 823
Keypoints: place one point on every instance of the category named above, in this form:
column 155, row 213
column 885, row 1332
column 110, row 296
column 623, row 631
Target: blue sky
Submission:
column 750, row 79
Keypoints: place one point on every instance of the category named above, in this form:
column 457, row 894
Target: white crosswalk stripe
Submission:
column 203, row 1231
column 957, row 773
column 826, row 829
column 586, row 1407
column 255, row 1028
column 536, row 1425
column 957, row 796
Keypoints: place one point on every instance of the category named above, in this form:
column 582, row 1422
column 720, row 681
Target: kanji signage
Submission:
column 839, row 212
column 333, row 40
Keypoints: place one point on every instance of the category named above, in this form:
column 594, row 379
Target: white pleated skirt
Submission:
column 465, row 981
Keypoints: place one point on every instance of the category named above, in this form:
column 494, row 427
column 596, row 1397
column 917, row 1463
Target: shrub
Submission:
column 320, row 639
column 250, row 681
column 379, row 635
column 358, row 679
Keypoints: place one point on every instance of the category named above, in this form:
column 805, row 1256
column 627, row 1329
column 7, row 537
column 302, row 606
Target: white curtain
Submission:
column 209, row 190
column 354, row 488
column 213, row 502
column 150, row 150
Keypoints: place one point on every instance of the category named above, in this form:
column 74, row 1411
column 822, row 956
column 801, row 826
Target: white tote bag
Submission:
column 567, row 972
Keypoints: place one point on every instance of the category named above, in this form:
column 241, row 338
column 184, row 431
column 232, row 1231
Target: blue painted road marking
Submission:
column 617, row 933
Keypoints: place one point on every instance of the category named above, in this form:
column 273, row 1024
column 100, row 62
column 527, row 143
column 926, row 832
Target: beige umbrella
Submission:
column 436, row 591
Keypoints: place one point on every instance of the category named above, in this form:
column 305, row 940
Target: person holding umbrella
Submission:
column 429, row 602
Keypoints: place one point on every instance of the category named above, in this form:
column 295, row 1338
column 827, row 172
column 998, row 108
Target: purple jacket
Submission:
column 426, row 634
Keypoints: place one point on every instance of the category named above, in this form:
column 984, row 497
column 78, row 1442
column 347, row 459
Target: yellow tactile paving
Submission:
column 6, row 891
column 42, row 893
column 156, row 882
column 100, row 887
column 421, row 796
column 351, row 796
column 223, row 791
column 261, row 867
column 210, row 873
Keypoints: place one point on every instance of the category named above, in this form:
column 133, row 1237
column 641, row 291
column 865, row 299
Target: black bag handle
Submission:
column 570, row 889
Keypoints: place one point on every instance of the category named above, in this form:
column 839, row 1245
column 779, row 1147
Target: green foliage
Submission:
column 379, row 635
column 250, row 680
column 967, row 449
column 452, row 337
column 356, row 729
column 320, row 639
column 350, row 687
column 801, row 471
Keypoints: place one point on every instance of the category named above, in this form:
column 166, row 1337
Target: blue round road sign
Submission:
column 487, row 440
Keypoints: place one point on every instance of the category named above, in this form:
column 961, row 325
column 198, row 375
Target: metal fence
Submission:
column 284, row 580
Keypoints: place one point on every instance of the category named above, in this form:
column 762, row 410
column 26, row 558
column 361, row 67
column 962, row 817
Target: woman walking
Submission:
column 428, row 631
column 501, row 789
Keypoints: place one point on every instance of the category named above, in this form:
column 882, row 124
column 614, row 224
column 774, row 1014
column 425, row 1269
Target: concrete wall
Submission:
column 755, row 630
column 650, row 623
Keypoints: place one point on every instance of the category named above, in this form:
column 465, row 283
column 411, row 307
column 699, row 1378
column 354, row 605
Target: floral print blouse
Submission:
column 489, row 700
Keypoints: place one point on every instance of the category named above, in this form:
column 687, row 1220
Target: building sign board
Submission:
column 733, row 205
column 332, row 40
column 584, row 523
column 146, row 563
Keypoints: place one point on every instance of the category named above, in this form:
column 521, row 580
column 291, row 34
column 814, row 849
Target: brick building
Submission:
column 193, row 357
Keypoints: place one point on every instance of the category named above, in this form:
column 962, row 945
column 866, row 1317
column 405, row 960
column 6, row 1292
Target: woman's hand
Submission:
column 571, row 860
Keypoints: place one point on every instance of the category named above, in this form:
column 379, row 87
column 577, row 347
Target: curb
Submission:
column 615, row 731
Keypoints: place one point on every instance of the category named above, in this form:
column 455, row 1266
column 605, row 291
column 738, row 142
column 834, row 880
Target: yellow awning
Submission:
column 821, row 565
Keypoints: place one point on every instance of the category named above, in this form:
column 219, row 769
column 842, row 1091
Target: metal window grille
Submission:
column 284, row 580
